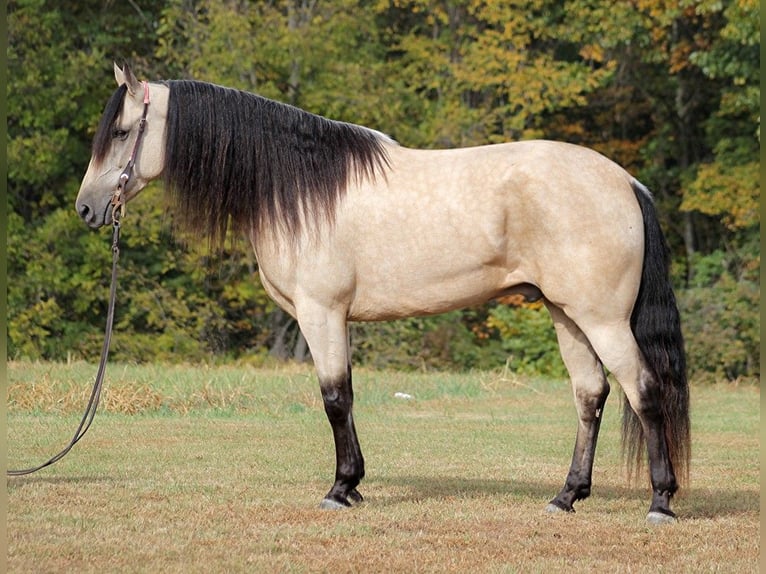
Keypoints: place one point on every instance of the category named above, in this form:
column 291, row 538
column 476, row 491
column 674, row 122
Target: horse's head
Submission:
column 121, row 158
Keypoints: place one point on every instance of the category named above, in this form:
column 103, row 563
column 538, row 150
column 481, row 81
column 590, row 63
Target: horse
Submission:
column 348, row 225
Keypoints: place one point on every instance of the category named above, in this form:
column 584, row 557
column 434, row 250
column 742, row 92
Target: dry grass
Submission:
column 221, row 470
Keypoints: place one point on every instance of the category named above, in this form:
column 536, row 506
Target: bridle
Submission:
column 118, row 205
column 118, row 210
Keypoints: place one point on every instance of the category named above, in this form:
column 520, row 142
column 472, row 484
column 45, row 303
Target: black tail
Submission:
column 656, row 327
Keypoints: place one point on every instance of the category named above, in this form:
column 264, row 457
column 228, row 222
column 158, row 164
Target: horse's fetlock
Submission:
column 666, row 492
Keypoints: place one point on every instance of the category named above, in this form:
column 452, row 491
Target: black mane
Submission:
column 235, row 158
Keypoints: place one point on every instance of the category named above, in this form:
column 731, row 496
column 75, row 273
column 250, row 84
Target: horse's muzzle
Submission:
column 90, row 216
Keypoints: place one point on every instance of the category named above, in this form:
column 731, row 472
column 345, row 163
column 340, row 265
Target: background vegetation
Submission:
column 669, row 89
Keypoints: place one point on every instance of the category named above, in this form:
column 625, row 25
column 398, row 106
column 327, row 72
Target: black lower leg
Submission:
column 664, row 484
column 338, row 397
column 578, row 482
column 663, row 479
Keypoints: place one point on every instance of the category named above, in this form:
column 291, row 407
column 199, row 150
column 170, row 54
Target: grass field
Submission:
column 221, row 469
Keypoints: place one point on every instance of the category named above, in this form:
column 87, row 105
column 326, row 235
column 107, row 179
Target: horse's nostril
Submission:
column 83, row 211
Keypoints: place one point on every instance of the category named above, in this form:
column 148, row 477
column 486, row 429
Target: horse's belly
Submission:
column 394, row 296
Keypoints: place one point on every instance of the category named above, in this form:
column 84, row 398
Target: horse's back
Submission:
column 540, row 181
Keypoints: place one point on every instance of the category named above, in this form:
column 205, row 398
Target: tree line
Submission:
column 668, row 89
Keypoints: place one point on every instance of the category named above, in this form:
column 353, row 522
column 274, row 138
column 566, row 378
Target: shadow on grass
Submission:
column 427, row 487
column 692, row 504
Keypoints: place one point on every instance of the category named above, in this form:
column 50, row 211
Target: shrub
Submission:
column 721, row 322
column 528, row 339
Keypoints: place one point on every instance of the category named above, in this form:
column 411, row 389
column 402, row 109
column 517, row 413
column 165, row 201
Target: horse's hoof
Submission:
column 553, row 509
column 657, row 518
column 330, row 504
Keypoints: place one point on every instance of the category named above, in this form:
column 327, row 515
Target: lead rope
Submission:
column 118, row 211
column 95, row 395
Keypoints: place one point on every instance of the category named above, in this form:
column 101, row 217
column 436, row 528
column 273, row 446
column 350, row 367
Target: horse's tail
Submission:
column 656, row 326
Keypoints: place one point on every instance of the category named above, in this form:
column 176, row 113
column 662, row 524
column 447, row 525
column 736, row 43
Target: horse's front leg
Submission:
column 327, row 336
column 338, row 397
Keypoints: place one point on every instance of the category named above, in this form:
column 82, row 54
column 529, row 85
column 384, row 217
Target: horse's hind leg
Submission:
column 590, row 389
column 327, row 336
column 619, row 352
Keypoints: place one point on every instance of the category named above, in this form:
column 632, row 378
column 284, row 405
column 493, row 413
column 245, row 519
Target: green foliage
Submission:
column 46, row 300
column 528, row 338
column 670, row 90
column 442, row 342
column 174, row 303
column 478, row 72
column 728, row 185
column 732, row 192
column 58, row 61
column 721, row 320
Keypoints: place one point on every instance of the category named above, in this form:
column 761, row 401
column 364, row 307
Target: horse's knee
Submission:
column 337, row 399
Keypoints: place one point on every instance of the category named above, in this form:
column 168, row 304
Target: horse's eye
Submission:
column 119, row 134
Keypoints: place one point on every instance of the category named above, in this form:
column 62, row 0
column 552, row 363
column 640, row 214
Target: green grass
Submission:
column 194, row 469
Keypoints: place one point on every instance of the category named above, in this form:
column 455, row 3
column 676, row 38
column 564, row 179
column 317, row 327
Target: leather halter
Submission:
column 118, row 205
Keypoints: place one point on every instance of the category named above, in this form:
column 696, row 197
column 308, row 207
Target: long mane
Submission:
column 236, row 159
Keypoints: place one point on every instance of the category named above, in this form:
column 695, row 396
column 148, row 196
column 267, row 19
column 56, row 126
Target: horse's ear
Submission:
column 125, row 76
column 119, row 75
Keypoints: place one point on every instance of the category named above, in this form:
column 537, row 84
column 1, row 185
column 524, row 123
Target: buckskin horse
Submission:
column 347, row 225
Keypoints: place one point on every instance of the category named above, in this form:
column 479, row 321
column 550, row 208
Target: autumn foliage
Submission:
column 668, row 89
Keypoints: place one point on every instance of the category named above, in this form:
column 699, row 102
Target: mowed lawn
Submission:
column 221, row 469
